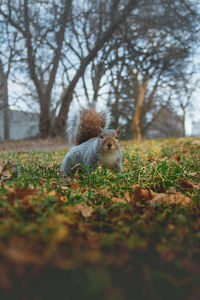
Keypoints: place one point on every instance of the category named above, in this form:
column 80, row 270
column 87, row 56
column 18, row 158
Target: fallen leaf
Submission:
column 64, row 187
column 31, row 187
column 186, row 184
column 177, row 157
column 141, row 194
column 6, row 174
column 196, row 186
column 171, row 198
column 172, row 191
column 7, row 170
column 74, row 186
column 118, row 199
column 126, row 162
column 164, row 158
column 52, row 193
column 18, row 192
column 84, row 209
column 20, row 256
column 127, row 196
column 192, row 173
column 196, row 142
column 61, row 233
column 1, row 167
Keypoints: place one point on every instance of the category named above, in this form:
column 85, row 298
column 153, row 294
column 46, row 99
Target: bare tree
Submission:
column 43, row 44
column 8, row 53
column 44, row 30
column 63, row 41
column 184, row 90
column 117, row 17
column 154, row 56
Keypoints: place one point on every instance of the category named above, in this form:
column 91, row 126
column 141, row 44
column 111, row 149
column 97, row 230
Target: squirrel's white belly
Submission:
column 109, row 158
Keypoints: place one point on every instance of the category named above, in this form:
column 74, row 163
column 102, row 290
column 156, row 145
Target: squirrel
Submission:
column 94, row 146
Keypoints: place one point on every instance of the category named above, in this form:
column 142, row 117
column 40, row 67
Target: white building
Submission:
column 167, row 124
column 21, row 124
column 196, row 128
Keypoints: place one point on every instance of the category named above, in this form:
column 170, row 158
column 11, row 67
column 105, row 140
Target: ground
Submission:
column 132, row 235
column 33, row 144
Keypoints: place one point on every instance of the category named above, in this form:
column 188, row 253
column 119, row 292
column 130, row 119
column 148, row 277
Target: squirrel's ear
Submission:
column 118, row 130
column 99, row 129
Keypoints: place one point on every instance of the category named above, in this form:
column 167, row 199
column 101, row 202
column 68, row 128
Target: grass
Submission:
column 102, row 235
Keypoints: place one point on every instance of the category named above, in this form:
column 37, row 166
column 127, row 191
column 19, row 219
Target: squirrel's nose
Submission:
column 109, row 145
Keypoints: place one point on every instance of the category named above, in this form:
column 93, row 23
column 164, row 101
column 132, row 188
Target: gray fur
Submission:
column 85, row 154
column 88, row 154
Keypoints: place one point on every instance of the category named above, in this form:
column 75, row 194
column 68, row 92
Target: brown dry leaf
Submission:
column 100, row 193
column 84, row 209
column 141, row 194
column 74, row 186
column 21, row 256
column 61, row 233
column 26, row 201
column 172, row 191
column 51, row 193
column 171, row 198
column 126, row 162
column 18, row 192
column 177, row 157
column 196, row 142
column 192, row 173
column 196, row 186
column 163, row 158
column 117, row 199
column 186, row 184
column 189, row 185
column 31, row 186
column 7, row 170
column 18, row 251
column 6, row 174
column 1, row 167
column 171, row 226
column 127, row 197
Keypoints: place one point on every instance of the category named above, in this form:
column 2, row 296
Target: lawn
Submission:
column 132, row 235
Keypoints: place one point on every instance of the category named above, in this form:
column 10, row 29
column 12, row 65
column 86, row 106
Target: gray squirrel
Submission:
column 93, row 145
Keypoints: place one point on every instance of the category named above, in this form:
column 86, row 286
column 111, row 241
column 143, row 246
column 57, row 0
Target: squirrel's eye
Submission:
column 117, row 137
column 101, row 136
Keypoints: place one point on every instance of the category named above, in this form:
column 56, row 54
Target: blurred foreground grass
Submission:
column 133, row 235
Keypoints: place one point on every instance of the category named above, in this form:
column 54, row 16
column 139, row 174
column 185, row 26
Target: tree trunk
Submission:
column 183, row 123
column 4, row 101
column 116, row 110
column 6, row 116
column 44, row 92
column 136, row 127
column 44, row 121
column 59, row 126
column 116, row 115
column 67, row 97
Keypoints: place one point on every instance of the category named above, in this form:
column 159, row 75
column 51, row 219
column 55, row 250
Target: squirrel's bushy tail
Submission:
column 84, row 125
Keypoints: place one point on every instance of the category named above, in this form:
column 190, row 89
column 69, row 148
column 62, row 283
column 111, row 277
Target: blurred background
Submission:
column 139, row 60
